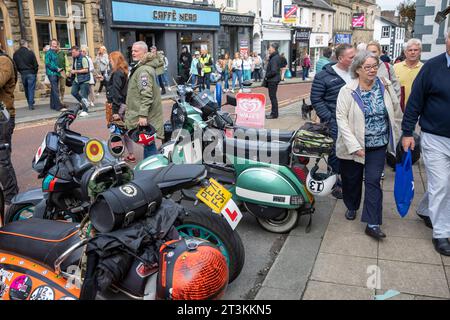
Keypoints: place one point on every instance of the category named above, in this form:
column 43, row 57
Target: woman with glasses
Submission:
column 365, row 113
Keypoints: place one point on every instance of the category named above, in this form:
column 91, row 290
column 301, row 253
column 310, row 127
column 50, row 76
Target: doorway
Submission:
column 147, row 37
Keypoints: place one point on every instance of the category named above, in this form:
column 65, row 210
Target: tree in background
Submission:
column 407, row 13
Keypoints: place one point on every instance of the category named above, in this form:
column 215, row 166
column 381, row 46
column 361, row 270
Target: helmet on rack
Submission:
column 144, row 135
column 320, row 183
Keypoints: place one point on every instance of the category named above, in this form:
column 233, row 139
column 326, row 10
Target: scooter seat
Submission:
column 265, row 134
column 275, row 152
column 41, row 240
column 174, row 177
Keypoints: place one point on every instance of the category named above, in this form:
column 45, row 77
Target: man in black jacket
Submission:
column 429, row 104
column 273, row 78
column 27, row 66
column 324, row 92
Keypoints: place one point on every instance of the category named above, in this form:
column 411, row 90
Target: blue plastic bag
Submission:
column 288, row 74
column 404, row 184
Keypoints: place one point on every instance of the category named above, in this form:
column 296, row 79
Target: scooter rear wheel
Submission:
column 18, row 212
column 281, row 224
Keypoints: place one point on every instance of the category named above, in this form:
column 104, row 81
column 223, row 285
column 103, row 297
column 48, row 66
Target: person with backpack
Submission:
column 385, row 69
column 80, row 85
column 8, row 81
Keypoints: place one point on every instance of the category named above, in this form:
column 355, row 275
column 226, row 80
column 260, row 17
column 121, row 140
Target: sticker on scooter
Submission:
column 232, row 214
column 43, row 293
column 20, row 288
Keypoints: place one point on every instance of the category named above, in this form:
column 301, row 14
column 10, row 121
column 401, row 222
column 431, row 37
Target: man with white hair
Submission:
column 144, row 104
column 407, row 70
column 429, row 101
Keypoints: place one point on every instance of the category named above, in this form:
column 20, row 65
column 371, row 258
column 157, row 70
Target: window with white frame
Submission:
column 231, row 4
column 385, row 32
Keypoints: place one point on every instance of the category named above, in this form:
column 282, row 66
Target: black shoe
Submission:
column 442, row 245
column 271, row 116
column 163, row 92
column 350, row 214
column 426, row 220
column 375, row 232
column 337, row 193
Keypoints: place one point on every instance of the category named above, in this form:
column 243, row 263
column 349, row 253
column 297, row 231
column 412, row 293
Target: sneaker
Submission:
column 63, row 109
column 337, row 193
column 83, row 114
column 92, row 105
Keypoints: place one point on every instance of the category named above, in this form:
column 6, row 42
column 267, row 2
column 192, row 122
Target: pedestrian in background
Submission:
column 102, row 62
column 226, row 72
column 165, row 75
column 185, row 64
column 195, row 69
column 206, row 63
column 273, row 78
column 80, row 85
column 324, row 59
column 144, row 105
column 53, row 72
column 158, row 64
column 92, row 77
column 385, row 69
column 257, row 67
column 429, row 104
column 116, row 95
column 28, row 67
column 324, row 93
column 236, row 69
column 408, row 70
column 365, row 115
column 8, row 81
column 384, row 57
column 306, row 65
column 63, row 63
column 247, row 67
column 284, row 64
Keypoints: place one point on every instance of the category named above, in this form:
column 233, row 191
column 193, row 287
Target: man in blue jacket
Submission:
column 429, row 101
column 324, row 92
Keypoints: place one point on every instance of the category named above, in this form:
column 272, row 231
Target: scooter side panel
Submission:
column 22, row 279
column 265, row 186
column 153, row 162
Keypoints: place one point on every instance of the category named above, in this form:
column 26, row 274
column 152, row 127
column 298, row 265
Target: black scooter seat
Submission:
column 275, row 152
column 263, row 134
column 41, row 240
column 174, row 177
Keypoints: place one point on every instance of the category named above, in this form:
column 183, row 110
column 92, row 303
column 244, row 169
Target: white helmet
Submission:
column 320, row 184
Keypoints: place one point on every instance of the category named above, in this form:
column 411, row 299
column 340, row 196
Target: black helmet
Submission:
column 144, row 135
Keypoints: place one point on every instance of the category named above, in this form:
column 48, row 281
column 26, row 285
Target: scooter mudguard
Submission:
column 268, row 187
column 22, row 279
column 153, row 162
column 33, row 196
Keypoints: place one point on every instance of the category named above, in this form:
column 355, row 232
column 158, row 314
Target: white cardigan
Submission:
column 351, row 121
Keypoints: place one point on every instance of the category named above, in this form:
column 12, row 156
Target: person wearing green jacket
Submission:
column 53, row 72
column 324, row 60
column 158, row 64
column 144, row 104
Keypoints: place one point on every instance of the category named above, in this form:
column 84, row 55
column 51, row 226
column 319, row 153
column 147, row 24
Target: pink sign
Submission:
column 358, row 20
column 250, row 110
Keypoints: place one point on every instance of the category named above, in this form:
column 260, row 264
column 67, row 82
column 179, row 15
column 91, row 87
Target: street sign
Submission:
column 290, row 14
column 358, row 20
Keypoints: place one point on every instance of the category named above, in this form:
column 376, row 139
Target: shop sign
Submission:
column 343, row 38
column 303, row 34
column 243, row 46
column 127, row 12
column 235, row 20
column 319, row 40
column 250, row 110
column 358, row 20
column 290, row 14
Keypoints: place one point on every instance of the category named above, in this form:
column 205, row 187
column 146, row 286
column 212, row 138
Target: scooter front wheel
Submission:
column 282, row 224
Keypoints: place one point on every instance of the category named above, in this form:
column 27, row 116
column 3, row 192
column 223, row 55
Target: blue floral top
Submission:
column 377, row 119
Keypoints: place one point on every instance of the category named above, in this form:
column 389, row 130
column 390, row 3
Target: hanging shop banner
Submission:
column 358, row 20
column 290, row 14
column 303, row 34
column 343, row 38
column 250, row 110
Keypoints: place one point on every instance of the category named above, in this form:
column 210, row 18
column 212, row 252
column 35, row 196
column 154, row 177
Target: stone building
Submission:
column 342, row 31
column 72, row 22
column 370, row 10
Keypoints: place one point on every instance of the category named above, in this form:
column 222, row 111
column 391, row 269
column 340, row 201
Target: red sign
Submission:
column 358, row 20
column 250, row 110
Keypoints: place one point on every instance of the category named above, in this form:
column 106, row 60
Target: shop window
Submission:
column 60, row 8
column 80, row 35
column 44, row 34
column 41, row 8
column 62, row 34
column 277, row 8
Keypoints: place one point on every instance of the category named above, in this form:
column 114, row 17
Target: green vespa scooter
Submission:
column 261, row 171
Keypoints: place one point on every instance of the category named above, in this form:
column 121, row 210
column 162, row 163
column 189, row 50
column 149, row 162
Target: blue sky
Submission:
column 388, row 4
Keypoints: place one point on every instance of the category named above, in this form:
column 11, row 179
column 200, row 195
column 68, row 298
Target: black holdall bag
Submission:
column 118, row 207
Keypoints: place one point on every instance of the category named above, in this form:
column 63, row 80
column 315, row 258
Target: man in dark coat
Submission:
column 273, row 78
column 185, row 64
column 27, row 66
column 324, row 92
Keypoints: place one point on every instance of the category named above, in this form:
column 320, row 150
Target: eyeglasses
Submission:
column 368, row 68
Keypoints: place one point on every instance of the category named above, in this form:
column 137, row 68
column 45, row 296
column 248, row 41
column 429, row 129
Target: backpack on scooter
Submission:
column 313, row 139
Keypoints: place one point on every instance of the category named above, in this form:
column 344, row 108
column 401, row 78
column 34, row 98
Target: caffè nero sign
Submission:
column 173, row 16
